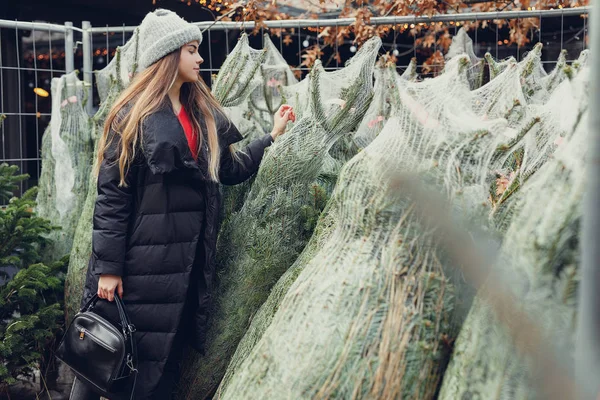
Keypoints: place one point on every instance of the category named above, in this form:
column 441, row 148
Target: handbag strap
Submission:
column 133, row 365
column 128, row 328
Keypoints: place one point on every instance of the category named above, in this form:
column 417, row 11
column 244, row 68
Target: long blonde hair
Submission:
column 146, row 93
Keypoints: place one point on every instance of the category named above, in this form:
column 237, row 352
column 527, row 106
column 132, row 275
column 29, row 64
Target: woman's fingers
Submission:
column 284, row 108
column 120, row 289
column 108, row 294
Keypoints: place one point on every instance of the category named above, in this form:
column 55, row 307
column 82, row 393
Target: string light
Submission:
column 41, row 92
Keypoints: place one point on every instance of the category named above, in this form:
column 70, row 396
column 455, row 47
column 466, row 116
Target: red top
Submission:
column 190, row 134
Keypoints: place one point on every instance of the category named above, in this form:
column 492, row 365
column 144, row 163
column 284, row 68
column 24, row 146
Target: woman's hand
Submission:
column 281, row 118
column 107, row 285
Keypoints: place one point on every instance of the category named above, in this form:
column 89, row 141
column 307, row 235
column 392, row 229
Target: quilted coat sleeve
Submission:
column 112, row 213
column 239, row 168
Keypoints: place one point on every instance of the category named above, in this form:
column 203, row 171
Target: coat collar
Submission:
column 165, row 145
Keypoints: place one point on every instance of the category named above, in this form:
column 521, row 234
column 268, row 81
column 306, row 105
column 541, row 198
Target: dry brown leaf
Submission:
column 311, row 55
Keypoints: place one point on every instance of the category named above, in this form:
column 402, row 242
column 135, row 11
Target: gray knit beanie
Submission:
column 161, row 32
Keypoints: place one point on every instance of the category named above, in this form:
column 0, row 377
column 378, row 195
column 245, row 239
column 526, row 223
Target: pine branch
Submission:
column 9, row 182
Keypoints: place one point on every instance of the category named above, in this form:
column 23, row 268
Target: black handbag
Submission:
column 102, row 355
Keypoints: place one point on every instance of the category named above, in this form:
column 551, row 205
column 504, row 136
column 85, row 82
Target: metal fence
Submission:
column 31, row 54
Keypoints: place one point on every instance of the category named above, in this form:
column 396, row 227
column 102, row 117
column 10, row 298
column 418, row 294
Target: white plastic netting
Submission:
column 339, row 100
column 66, row 160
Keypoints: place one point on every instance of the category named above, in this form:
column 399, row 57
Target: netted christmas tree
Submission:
column 120, row 69
column 325, row 183
column 463, row 44
column 66, row 161
column 539, row 261
column 338, row 98
column 342, row 98
column 254, row 115
column 582, row 61
column 341, row 303
column 381, row 107
column 537, row 128
column 31, row 300
column 374, row 119
column 274, row 73
column 238, row 78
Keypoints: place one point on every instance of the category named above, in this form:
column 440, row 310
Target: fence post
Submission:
column 87, row 64
column 69, row 58
column 587, row 349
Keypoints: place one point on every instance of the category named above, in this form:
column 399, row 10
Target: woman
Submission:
column 164, row 151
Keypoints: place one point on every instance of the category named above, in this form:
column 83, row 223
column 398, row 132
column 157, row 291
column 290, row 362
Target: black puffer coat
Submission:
column 160, row 235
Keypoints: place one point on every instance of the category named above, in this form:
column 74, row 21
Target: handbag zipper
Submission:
column 84, row 332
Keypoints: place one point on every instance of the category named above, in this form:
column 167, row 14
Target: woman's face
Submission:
column 189, row 62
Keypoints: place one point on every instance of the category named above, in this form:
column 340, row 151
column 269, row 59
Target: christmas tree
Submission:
column 30, row 292
column 66, row 162
column 539, row 258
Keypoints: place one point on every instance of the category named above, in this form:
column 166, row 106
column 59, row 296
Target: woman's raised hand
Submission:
column 107, row 285
column 282, row 116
